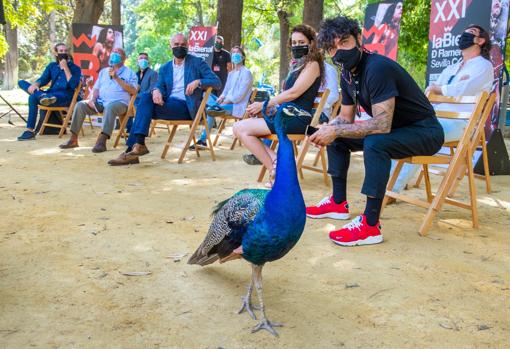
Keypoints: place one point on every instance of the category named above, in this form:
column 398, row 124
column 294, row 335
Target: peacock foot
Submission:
column 267, row 325
column 248, row 307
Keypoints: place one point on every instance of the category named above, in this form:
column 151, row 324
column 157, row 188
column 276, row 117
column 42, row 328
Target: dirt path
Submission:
column 70, row 225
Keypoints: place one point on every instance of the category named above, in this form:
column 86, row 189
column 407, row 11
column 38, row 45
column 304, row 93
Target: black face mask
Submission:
column 347, row 59
column 218, row 46
column 62, row 56
column 180, row 51
column 466, row 40
column 299, row 51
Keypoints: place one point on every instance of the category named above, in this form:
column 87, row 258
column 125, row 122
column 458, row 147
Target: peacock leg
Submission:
column 264, row 323
column 247, row 302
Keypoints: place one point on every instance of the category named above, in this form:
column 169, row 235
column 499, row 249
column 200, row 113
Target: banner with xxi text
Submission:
column 201, row 42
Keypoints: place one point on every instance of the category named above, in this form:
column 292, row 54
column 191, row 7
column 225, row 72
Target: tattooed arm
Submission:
column 380, row 123
column 346, row 115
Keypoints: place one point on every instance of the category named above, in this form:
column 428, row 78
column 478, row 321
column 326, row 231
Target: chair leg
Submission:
column 472, row 192
column 426, row 176
column 65, row 122
column 123, row 122
column 485, row 158
column 418, row 180
column 220, row 130
column 208, row 138
column 391, row 183
column 316, row 160
column 196, row 148
column 45, row 121
column 169, row 142
column 152, row 132
column 301, row 157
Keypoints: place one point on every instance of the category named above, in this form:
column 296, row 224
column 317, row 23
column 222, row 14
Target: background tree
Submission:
column 230, row 14
column 313, row 10
column 88, row 11
column 116, row 13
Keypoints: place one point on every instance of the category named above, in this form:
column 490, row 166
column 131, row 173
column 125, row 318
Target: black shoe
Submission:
column 250, row 159
column 200, row 144
column 47, row 100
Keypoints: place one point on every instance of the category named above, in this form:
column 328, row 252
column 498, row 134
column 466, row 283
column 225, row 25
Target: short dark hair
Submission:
column 59, row 44
column 143, row 53
column 339, row 27
column 484, row 34
column 220, row 37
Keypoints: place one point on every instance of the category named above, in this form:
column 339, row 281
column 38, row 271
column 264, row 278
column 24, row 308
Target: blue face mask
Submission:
column 237, row 58
column 115, row 58
column 143, row 63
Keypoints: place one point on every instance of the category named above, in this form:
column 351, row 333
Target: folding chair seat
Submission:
column 303, row 138
column 462, row 157
column 192, row 124
column 64, row 113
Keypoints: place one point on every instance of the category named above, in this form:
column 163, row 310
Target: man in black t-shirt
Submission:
column 402, row 124
column 221, row 63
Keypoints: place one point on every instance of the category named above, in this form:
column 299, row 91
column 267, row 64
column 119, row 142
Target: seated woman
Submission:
column 300, row 87
column 235, row 96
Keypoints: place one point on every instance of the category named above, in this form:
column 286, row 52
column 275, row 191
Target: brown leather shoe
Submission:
column 124, row 159
column 100, row 143
column 71, row 143
column 139, row 150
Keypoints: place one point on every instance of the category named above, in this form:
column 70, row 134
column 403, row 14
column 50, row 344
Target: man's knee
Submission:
column 32, row 99
column 145, row 97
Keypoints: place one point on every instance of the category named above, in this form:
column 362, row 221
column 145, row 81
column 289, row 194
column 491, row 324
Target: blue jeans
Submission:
column 453, row 130
column 172, row 109
column 423, row 137
column 63, row 99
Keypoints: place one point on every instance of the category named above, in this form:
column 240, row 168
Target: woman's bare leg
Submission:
column 249, row 131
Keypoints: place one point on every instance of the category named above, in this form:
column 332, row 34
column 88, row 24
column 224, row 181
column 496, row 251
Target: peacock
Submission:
column 259, row 225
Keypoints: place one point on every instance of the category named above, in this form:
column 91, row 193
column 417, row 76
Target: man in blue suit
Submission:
column 177, row 96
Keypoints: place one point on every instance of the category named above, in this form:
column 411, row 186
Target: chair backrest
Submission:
column 74, row 100
column 203, row 104
column 319, row 106
column 335, row 108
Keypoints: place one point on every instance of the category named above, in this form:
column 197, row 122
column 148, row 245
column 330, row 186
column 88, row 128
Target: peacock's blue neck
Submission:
column 286, row 179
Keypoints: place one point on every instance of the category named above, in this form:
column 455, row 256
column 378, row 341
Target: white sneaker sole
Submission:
column 331, row 215
column 371, row 240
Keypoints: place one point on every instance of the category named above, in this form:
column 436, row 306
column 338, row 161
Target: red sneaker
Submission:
column 327, row 208
column 358, row 232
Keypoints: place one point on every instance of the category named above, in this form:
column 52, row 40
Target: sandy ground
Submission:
column 70, row 225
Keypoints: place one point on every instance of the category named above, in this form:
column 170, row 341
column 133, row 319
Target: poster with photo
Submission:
column 201, row 42
column 382, row 27
column 92, row 46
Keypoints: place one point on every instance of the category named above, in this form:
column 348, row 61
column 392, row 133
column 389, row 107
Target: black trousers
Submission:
column 424, row 137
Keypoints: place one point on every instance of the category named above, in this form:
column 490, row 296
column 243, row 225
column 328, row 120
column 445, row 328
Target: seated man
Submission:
column 111, row 95
column 177, row 96
column 64, row 76
column 147, row 78
column 469, row 77
column 402, row 124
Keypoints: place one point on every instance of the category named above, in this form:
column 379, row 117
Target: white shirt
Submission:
column 238, row 90
column 331, row 83
column 178, row 81
column 475, row 75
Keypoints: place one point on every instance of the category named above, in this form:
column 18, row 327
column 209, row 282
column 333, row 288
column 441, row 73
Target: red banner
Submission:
column 201, row 42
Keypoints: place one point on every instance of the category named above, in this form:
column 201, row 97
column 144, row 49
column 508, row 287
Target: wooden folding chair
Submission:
column 193, row 124
column 463, row 156
column 64, row 113
column 300, row 154
column 123, row 119
column 336, row 108
column 225, row 118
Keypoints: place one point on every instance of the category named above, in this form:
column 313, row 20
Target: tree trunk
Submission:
column 313, row 11
column 88, row 11
column 283, row 17
column 116, row 15
column 11, row 58
column 53, row 29
column 230, row 14
column 200, row 13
